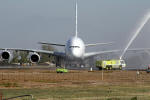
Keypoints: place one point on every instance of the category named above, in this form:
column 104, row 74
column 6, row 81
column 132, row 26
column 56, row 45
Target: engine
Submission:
column 6, row 55
column 34, row 57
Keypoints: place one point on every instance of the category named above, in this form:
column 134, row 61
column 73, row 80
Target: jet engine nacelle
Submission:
column 34, row 57
column 6, row 55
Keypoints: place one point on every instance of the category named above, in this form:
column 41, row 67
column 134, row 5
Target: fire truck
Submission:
column 110, row 64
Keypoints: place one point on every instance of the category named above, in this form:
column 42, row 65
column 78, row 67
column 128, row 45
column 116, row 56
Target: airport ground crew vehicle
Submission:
column 61, row 70
column 110, row 64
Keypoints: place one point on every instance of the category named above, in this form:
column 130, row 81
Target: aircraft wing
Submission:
column 98, row 44
column 138, row 49
column 100, row 52
column 51, row 44
column 112, row 51
column 36, row 50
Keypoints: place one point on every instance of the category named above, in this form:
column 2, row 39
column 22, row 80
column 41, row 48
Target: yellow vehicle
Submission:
column 61, row 70
column 110, row 64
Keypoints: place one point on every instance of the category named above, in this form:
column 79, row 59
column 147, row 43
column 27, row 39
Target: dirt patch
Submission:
column 36, row 78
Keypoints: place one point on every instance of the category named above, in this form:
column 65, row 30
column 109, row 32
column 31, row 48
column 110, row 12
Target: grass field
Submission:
column 84, row 93
column 75, row 85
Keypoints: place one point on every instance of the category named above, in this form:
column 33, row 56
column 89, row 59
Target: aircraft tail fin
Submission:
column 76, row 19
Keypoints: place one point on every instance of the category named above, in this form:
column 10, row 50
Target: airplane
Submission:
column 74, row 49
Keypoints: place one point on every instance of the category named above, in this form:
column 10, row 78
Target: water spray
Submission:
column 147, row 52
column 136, row 33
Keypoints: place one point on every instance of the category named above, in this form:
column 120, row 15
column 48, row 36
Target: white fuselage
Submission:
column 75, row 48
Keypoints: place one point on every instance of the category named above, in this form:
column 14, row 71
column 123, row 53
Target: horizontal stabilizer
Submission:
column 51, row 44
column 98, row 44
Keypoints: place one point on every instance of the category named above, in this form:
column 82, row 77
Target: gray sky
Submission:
column 23, row 23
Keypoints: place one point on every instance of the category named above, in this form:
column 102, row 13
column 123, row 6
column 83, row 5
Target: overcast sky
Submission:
column 23, row 23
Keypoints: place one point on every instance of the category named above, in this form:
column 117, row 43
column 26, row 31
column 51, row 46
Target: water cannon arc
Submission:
column 136, row 33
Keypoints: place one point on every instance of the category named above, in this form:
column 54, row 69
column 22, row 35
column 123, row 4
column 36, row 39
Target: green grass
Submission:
column 9, row 84
column 84, row 93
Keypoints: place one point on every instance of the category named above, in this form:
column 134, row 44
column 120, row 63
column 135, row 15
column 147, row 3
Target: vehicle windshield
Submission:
column 122, row 62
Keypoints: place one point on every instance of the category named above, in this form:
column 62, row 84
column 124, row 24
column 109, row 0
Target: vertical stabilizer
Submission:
column 76, row 19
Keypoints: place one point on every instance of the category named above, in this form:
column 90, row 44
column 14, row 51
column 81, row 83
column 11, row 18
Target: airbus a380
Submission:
column 74, row 48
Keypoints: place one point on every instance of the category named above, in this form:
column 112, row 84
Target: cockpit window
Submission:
column 74, row 47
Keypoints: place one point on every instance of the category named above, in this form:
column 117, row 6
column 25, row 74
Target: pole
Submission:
column 1, row 95
column 102, row 74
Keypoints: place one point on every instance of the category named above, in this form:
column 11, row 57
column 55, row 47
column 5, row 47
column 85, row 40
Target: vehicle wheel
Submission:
column 100, row 68
column 110, row 67
column 120, row 67
column 107, row 68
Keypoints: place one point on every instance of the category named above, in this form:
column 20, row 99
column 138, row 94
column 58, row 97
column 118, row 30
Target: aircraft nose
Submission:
column 76, row 53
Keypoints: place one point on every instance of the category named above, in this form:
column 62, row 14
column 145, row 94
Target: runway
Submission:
column 69, row 68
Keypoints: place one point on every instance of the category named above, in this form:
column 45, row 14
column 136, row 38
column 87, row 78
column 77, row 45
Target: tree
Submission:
column 20, row 57
column 48, row 48
column 46, row 57
column 23, row 57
